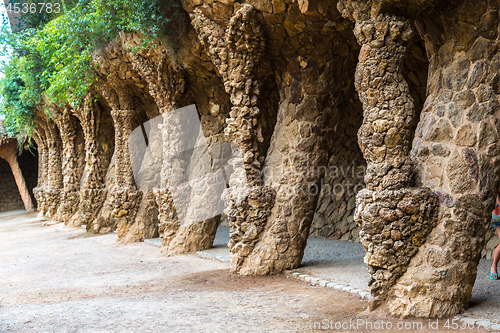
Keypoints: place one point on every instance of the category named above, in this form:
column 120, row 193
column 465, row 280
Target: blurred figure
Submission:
column 495, row 219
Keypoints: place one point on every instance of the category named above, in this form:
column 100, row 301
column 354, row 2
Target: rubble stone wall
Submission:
column 454, row 152
column 343, row 179
column 456, row 155
column 334, row 216
column 370, row 121
column 11, row 199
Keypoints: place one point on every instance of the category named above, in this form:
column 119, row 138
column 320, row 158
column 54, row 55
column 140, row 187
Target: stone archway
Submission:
column 8, row 151
column 270, row 219
column 425, row 212
column 72, row 163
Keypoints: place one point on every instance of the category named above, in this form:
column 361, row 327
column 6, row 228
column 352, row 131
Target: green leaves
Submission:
column 51, row 54
column 65, row 46
column 19, row 117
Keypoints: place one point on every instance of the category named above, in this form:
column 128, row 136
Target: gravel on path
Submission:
column 56, row 279
column 342, row 262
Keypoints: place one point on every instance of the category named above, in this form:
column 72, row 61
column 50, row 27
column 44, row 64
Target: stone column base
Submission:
column 177, row 238
column 52, row 201
column 394, row 224
column 248, row 212
column 91, row 201
column 119, row 210
column 145, row 224
column 39, row 193
column 68, row 207
column 193, row 237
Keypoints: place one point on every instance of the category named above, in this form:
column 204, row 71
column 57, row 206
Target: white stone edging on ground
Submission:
column 327, row 284
column 155, row 242
column 365, row 294
column 362, row 293
column 206, row 255
column 479, row 323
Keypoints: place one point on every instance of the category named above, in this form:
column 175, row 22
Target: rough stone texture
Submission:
column 99, row 144
column 127, row 207
column 72, row 163
column 456, row 156
column 9, row 151
column 38, row 191
column 187, row 77
column 236, row 52
column 334, row 216
column 291, row 83
column 122, row 202
column 394, row 218
column 491, row 241
column 182, row 232
column 167, row 86
column 14, row 189
column 11, row 198
column 299, row 140
column 305, row 43
column 344, row 178
column 54, row 182
column 454, row 150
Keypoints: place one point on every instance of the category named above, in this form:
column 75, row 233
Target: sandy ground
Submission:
column 342, row 262
column 54, row 279
column 12, row 213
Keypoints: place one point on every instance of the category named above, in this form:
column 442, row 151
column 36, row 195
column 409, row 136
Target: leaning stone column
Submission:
column 55, row 179
column 38, row 191
column 167, row 86
column 123, row 198
column 395, row 219
column 236, row 53
column 70, row 196
column 9, row 151
column 456, row 155
column 295, row 164
column 179, row 233
column 92, row 192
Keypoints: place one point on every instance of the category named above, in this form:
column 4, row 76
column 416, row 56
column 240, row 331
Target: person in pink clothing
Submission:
column 495, row 219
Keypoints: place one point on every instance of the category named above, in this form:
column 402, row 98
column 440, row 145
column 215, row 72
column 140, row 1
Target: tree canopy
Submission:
column 50, row 51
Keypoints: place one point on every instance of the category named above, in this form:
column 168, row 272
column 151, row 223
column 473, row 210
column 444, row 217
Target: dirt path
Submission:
column 62, row 280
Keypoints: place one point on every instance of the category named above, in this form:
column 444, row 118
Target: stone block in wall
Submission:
column 334, row 216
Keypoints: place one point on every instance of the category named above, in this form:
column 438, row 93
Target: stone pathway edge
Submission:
column 362, row 293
